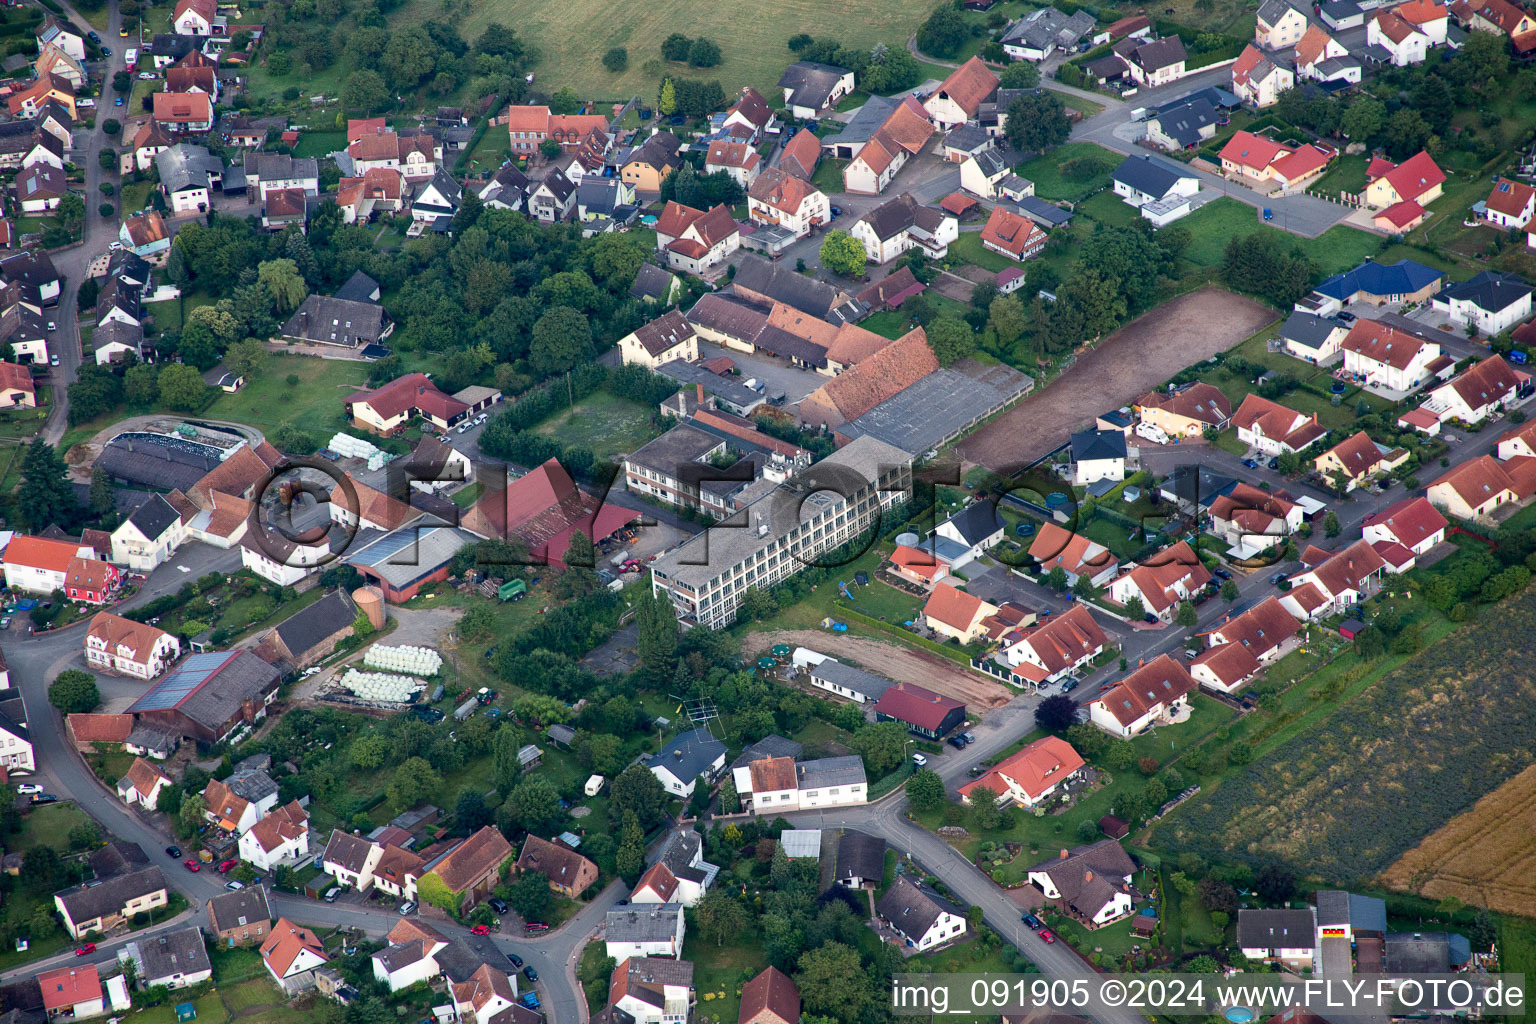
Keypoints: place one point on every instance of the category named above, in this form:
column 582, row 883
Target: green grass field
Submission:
column 572, row 37
column 1045, row 171
column 602, row 422
column 314, row 404
column 1214, row 224
column 318, row 144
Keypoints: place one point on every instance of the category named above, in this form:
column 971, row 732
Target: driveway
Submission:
column 775, row 373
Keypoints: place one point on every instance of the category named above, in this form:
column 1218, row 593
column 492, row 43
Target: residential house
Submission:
column 402, row 399
column 680, row 874
column 655, row 286
column 1185, row 125
column 241, row 800
column 490, row 995
column 568, row 872
column 1413, row 523
column 507, row 189
column 1321, row 58
column 145, row 235
column 269, row 172
column 649, row 164
column 200, row 78
column 17, row 390
column 103, row 906
column 1374, row 284
column 1091, row 883
column 1011, row 235
column 435, row 200
column 307, row 637
column 785, row 200
column 1481, row 391
column 34, row 98
column 527, row 126
column 279, row 838
column 553, row 198
column 1518, row 443
column 398, row 871
column 1336, row 584
column 989, row 174
column 1510, row 205
column 1498, row 16
column 1239, row 648
column 1282, row 937
column 977, row 526
column 860, row 860
column 1042, row 32
column 188, row 175
column 241, row 917
column 284, row 206
column 605, row 197
column 801, row 154
column 649, row 990
column 176, row 959
column 410, row 955
column 901, row 224
column 953, row 613
column 46, row 148
column 142, row 785
column 1156, row 62
column 685, row 758
column 1386, row 357
column 150, row 536
column 1279, row 25
column 351, row 860
column 810, row 88
column 1398, row 36
column 738, row 160
column 847, row 681
column 40, row 188
column 1430, row 17
column 196, row 18
column 1252, row 520
column 901, row 135
column 1478, row 486
column 1157, row 692
column 62, row 34
column 959, row 97
column 41, row 565
column 1075, row 554
column 1054, row 650
column 1185, row 411
column 1097, row 455
column 72, row 992
column 16, row 753
column 1417, row 179
column 920, row 918
column 645, row 930
column 1251, row 159
column 1141, row 179
column 473, row 867
column 769, row 998
column 1030, row 776
column 922, row 711
column 1163, row 581
column 1491, row 302
column 1259, row 81
column 696, row 241
column 1272, row 429
column 292, row 954
column 1312, row 338
column 179, row 112
column 751, row 111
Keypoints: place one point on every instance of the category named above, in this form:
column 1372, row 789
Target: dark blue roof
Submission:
column 1088, row 445
column 1042, row 212
column 1150, row 175
column 1401, row 278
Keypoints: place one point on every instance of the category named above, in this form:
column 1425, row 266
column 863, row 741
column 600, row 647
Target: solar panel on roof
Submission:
column 179, row 685
column 381, row 550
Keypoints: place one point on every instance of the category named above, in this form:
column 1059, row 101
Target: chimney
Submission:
column 1064, row 855
column 1087, row 876
column 699, row 393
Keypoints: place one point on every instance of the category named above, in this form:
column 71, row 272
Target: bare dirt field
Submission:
column 903, row 664
column 1485, row 857
column 1127, row 364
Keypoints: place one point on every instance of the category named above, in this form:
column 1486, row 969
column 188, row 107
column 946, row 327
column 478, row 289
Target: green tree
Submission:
column 44, row 497
column 675, row 47
column 833, row 982
column 1331, row 526
column 630, row 859
column 925, row 790
column 657, row 641
column 637, row 790
column 84, row 836
column 667, row 101
column 40, row 870
column 943, row 33
column 74, row 692
column 1036, row 122
column 1229, row 590
column 102, row 492
column 561, row 338
column 189, row 817
column 730, row 800
column 246, row 358
column 283, row 282
column 883, row 746
column 1021, row 74
column 182, row 387
column 505, row 769
column 704, row 53
column 720, row 915
column 1186, row 615
column 412, row 782
column 534, row 805
column 1135, row 609
column 369, row 750
column 616, row 59
column 1007, row 315
column 951, row 339
column 1056, row 579
column 141, row 384
column 843, row 254
column 530, row 895
column 986, row 815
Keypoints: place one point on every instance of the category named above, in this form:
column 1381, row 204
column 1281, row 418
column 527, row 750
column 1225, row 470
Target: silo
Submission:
column 370, row 600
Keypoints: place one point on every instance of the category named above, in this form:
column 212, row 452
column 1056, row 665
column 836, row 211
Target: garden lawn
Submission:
column 602, row 422
column 314, row 404
column 720, row 971
column 49, row 825
column 968, row 249
column 1045, row 171
column 1347, row 175
column 1214, row 224
column 319, row 144
column 1108, row 208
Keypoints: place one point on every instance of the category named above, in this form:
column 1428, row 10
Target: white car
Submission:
column 234, row 886
column 147, row 76
column 29, row 787
column 920, row 760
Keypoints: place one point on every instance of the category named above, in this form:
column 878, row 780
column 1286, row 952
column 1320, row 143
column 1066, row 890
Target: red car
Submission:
column 228, row 866
column 86, row 950
column 191, row 865
column 536, row 926
column 481, row 929
column 1045, row 935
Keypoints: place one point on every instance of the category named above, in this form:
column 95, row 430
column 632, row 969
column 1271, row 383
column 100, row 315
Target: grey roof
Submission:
column 1091, row 875
column 406, row 555
column 678, row 452
column 337, row 321
column 346, row 849
column 118, row 858
column 186, row 166
column 652, row 282
column 562, row 734
column 860, row 856
column 1339, row 10
column 154, row 465
column 152, row 739
column 154, row 517
column 1043, row 213
column 812, row 83
column 451, row 191
column 1418, row 953
column 1334, row 66
column 1095, row 444
column 872, row 687
column 1490, row 291
column 401, row 955
column 1276, row 929
column 1361, row 913
column 940, row 406
column 967, row 138
column 729, row 390
column 86, row 903
column 644, row 923
column 598, row 195
column 979, row 520
column 358, row 288
column 254, row 785
column 781, row 283
column 769, row 746
column 679, row 855
column 320, row 621
column 261, row 166
column 911, row 909
column 210, row 688
column 171, row 953
column 1152, row 175
column 688, row 755
column 830, row 771
column 864, row 122
column 1183, row 123
column 1159, row 54
column 170, row 45
column 1048, row 28
column 1307, row 329
column 902, row 213
column 1271, row 11
column 1191, row 485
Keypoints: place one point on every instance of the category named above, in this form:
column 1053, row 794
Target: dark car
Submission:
column 1149, row 619
column 44, row 798
column 1277, row 579
column 1221, row 574
column 516, row 960
column 500, row 906
column 1251, row 463
column 958, row 742
column 968, row 736
column 530, row 974
column 94, row 37
column 1273, row 463
column 1034, row 922
column 975, row 771
column 173, row 851
column 1069, row 686
column 1347, row 318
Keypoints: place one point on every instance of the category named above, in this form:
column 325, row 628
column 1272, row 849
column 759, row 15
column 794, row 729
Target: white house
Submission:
column 1259, row 81
column 1031, row 775
column 788, row 202
column 195, row 17
column 683, row 759
column 1413, row 522
column 696, row 241
column 16, row 753
column 280, row 560
column 142, row 785
column 1091, row 883
column 1156, row 692
column 177, row 959
column 680, row 875
column 649, row 929
column 652, row 991
column 1142, row 178
column 1098, row 455
column 124, row 647
column 989, row 174
column 977, row 526
column 291, row 955
column 773, row 784
column 1335, row 585
column 410, row 954
column 1387, row 357
column 1510, row 205
column 39, row 565
column 1492, row 302
column 1398, row 36
column 351, row 860
column 61, row 34
column 918, row 916
column 1054, row 650
column 1312, row 338
column 150, row 536
column 959, row 97
column 1284, row 937
column 902, row 223
column 1240, row 647
column 1272, row 429
column 1252, row 520
column 1476, row 393
column 1169, row 577
column 282, row 837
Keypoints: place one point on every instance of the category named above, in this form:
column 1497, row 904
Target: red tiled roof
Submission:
column 1275, row 421
column 883, row 375
column 954, row 607
column 1421, row 12
column 545, row 509
column 1260, row 629
column 527, row 119
column 725, row 153
column 1486, row 382
column 770, row 998
column 88, row 728
column 1156, row 578
column 1415, row 176
column 1313, row 44
column 1509, row 197
column 69, row 986
column 41, row 552
column 968, row 85
column 115, row 631
column 917, row 562
column 1012, row 233
column 1477, row 480
column 1402, row 215
column 1159, row 682
column 1358, row 454
column 801, row 154
column 1064, row 640
column 1302, row 162
column 917, row 706
column 1251, row 151
column 1199, row 401
column 1055, row 546
column 772, row 774
column 412, row 391
column 183, row 107
column 753, row 107
column 1373, row 340
column 14, row 376
column 957, row 203
column 1246, row 498
column 466, row 863
column 284, row 944
column 1034, row 769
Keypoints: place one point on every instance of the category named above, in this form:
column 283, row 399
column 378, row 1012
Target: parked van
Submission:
column 1151, row 432
column 332, row 893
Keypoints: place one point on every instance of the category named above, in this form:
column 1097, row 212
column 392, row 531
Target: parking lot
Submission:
column 778, row 375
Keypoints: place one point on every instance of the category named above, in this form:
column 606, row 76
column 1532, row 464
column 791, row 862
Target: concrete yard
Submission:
column 1123, row 367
